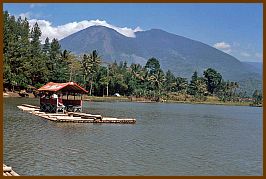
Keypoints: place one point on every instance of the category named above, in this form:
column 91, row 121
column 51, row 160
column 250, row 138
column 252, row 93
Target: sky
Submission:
column 235, row 28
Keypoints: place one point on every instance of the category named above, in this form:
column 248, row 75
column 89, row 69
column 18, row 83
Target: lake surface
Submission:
column 168, row 139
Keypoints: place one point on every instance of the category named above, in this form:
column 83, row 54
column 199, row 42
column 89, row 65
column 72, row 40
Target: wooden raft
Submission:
column 73, row 116
column 7, row 171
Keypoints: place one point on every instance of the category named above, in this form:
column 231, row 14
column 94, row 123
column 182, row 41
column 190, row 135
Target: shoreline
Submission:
column 140, row 100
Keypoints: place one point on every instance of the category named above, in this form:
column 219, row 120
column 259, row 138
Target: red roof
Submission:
column 63, row 87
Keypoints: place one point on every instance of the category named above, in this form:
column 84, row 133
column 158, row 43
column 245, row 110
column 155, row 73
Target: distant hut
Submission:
column 61, row 97
column 30, row 89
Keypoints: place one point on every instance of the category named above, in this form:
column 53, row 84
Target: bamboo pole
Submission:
column 8, row 174
column 14, row 173
column 7, row 169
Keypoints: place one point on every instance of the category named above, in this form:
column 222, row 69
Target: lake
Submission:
column 167, row 139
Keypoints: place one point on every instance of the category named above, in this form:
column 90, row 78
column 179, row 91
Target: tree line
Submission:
column 28, row 62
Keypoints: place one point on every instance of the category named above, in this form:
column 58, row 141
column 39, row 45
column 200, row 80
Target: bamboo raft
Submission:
column 7, row 171
column 74, row 117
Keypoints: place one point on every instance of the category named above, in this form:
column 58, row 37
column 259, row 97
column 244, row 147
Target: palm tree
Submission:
column 201, row 88
column 156, row 80
column 137, row 71
column 182, row 84
column 91, row 64
column 106, row 79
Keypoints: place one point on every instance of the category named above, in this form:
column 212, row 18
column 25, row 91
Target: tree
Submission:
column 156, row 81
column 170, row 81
column 258, row 97
column 136, row 80
column 46, row 47
column 35, row 39
column 193, row 88
column 58, row 63
column 91, row 64
column 16, row 51
column 74, row 67
column 201, row 91
column 197, row 87
column 213, row 79
column 181, row 84
column 65, row 66
column 152, row 65
column 39, row 71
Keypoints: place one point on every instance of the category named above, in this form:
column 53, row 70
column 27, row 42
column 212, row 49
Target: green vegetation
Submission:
column 29, row 63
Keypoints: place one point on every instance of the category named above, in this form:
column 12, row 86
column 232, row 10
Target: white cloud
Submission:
column 245, row 54
column 223, row 46
column 59, row 32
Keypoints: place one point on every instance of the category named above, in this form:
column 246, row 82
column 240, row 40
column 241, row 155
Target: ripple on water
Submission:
column 168, row 139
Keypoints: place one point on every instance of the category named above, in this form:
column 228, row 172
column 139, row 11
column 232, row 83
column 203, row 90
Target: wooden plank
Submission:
column 31, row 106
column 8, row 174
column 67, row 117
column 7, row 169
column 13, row 173
column 27, row 108
column 56, row 114
column 89, row 116
column 76, row 117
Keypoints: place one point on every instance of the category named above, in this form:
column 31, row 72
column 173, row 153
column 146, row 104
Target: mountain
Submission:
column 257, row 65
column 179, row 54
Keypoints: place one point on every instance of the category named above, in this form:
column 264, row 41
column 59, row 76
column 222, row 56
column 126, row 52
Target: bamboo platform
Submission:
column 74, row 117
column 7, row 171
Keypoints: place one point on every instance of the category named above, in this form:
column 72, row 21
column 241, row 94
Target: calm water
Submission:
column 168, row 139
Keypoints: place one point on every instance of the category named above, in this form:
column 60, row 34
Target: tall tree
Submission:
column 201, row 91
column 170, row 81
column 152, row 65
column 46, row 47
column 156, row 80
column 35, row 39
column 91, row 64
column 213, row 79
column 181, row 84
column 193, row 88
column 58, row 63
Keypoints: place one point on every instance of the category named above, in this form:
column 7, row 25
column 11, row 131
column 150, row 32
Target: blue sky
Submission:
column 233, row 28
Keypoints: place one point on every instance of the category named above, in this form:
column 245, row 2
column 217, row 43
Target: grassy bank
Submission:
column 209, row 100
column 212, row 103
column 128, row 99
column 106, row 99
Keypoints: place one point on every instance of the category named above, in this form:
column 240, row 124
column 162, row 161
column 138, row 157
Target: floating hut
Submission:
column 61, row 97
column 66, row 98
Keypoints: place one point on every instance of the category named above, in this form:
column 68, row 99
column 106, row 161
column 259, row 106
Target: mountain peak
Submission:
column 99, row 28
column 179, row 54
